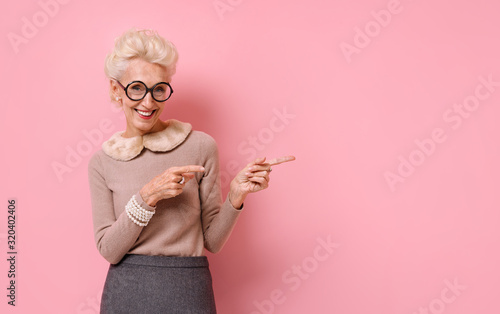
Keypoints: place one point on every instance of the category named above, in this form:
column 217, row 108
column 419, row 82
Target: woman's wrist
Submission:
column 236, row 198
column 148, row 199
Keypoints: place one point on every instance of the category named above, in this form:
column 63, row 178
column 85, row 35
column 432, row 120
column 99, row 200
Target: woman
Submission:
column 155, row 190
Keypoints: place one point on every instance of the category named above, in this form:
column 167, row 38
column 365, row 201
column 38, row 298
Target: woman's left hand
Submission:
column 253, row 178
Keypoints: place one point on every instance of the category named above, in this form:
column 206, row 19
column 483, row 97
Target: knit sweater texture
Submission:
column 184, row 225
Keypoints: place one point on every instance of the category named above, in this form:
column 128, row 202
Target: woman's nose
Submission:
column 148, row 101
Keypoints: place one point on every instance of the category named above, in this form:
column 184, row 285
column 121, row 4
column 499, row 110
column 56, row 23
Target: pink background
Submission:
column 349, row 89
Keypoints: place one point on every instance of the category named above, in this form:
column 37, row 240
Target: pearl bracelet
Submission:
column 143, row 213
column 142, row 224
column 137, row 214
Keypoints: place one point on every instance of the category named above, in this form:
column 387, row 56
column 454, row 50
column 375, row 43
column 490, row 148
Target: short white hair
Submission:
column 145, row 44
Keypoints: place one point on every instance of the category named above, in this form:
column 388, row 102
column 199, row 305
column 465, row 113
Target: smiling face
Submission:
column 143, row 116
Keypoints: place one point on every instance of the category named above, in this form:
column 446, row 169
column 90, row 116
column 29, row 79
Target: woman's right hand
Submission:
column 167, row 184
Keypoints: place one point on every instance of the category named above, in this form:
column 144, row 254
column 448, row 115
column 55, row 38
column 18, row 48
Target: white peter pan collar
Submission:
column 124, row 149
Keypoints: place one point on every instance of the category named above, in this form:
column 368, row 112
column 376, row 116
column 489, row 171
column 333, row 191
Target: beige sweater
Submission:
column 183, row 225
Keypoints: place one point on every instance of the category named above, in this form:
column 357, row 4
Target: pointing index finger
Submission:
column 280, row 160
column 190, row 168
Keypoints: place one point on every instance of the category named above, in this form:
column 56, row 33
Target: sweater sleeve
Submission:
column 218, row 217
column 114, row 236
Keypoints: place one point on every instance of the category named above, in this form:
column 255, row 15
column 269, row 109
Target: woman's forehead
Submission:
column 141, row 70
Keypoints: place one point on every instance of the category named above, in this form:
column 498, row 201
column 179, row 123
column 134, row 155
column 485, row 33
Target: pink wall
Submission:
column 391, row 108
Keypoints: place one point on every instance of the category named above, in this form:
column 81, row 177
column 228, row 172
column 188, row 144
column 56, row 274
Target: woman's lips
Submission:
column 145, row 114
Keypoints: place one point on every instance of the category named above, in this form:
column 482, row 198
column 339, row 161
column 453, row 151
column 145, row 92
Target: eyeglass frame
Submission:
column 148, row 90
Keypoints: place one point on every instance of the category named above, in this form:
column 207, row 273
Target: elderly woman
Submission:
column 155, row 190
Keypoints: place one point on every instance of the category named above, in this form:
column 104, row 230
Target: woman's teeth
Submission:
column 145, row 113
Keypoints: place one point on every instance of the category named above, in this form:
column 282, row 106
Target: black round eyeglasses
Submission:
column 137, row 90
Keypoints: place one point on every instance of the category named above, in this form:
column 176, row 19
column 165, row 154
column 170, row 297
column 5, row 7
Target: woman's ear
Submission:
column 114, row 91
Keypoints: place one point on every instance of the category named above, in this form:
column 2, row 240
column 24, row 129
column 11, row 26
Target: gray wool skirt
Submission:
column 158, row 284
